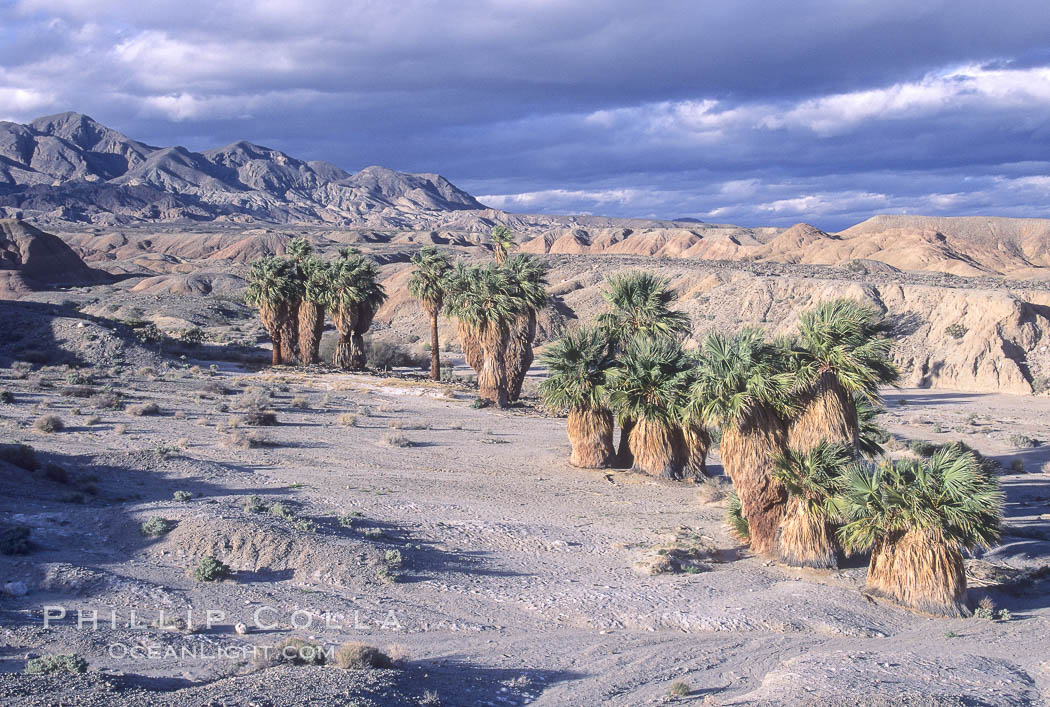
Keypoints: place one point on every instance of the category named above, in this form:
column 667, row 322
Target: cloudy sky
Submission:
column 756, row 112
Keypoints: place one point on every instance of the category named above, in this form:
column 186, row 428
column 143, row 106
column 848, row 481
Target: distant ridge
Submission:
column 69, row 167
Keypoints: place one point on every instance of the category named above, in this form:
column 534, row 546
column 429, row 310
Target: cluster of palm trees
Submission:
column 495, row 305
column 294, row 292
column 795, row 418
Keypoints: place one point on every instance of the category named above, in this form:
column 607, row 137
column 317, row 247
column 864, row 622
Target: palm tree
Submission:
column 870, row 434
column 297, row 251
column 428, row 284
column 640, row 303
column 317, row 294
column 742, row 386
column 272, row 287
column 917, row 517
column 356, row 296
column 578, row 364
column 502, row 242
column 458, row 282
column 484, row 301
column 841, row 352
column 812, row 479
column 650, row 385
column 529, row 278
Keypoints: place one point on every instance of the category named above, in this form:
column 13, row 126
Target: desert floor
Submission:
column 522, row 580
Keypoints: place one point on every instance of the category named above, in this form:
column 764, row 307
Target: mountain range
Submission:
column 69, row 167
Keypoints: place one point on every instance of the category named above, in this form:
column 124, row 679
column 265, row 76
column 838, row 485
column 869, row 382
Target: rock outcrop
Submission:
column 31, row 259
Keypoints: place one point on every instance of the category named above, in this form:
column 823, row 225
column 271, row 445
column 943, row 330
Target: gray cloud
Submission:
column 751, row 111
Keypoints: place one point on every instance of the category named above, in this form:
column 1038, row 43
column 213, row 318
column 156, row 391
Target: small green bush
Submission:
column 680, row 688
column 922, row 447
column 479, row 403
column 347, row 519
column 281, row 511
column 1023, row 441
column 393, row 558
column 210, row 569
column 956, row 331
column 156, row 526
column 304, row 525
column 48, row 664
column 144, row 410
column 253, row 504
column 297, row 651
column 6, row 397
column 182, row 496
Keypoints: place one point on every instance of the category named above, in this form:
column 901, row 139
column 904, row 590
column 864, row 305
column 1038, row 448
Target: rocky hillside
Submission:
column 68, row 167
column 31, row 259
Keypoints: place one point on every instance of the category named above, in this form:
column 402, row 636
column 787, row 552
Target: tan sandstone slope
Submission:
column 31, row 259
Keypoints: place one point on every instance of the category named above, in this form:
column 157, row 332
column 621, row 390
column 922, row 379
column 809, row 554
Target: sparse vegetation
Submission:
column 20, row 455
column 144, row 409
column 393, row 558
column 347, row 420
column 14, row 539
column 253, row 504
column 1021, row 441
column 49, row 424
column 956, row 331
column 679, row 688
column 156, row 527
column 358, row 656
column 182, row 496
column 395, row 439
column 210, row 569
column 49, row 664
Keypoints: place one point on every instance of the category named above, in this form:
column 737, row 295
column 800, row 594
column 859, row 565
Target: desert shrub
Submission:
column 395, row 439
column 77, row 391
column 304, row 525
column 209, row 569
column 1017, row 466
column 386, row 354
column 298, row 651
column 21, row 455
column 6, row 397
column 45, row 665
column 281, row 510
column 120, row 429
column 956, row 331
column 479, row 403
column 393, row 558
column 253, row 504
column 14, row 539
column 92, row 420
column 922, row 447
column 192, row 337
column 148, row 333
column 144, row 410
column 300, row 402
column 259, row 418
column 49, row 424
column 1023, row 441
column 383, row 574
column 107, row 401
column 712, row 491
column 680, row 688
column 182, row 496
column 54, row 472
column 156, row 526
column 430, row 699
column 358, row 656
column 215, row 388
column 347, row 420
column 254, row 398
column 347, row 519
column 251, row 440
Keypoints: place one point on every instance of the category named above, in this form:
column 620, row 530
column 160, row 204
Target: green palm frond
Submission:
column 482, row 296
column 578, row 365
column 816, row 476
column 272, row 282
column 298, row 249
column 651, row 380
column 316, row 276
column 848, row 338
column 640, row 304
column 429, row 280
column 949, row 493
column 355, row 282
column 871, row 434
column 502, row 242
column 735, row 519
column 528, row 276
column 736, row 375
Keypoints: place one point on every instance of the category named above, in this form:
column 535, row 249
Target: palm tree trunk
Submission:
column 924, row 571
column 520, row 354
column 696, row 442
column 358, row 357
column 806, row 540
column 747, row 455
column 624, row 457
column 828, row 414
column 435, row 349
column 344, row 320
column 492, row 379
column 289, row 331
column 271, row 321
column 590, row 433
column 657, row 449
column 311, row 326
column 471, row 344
